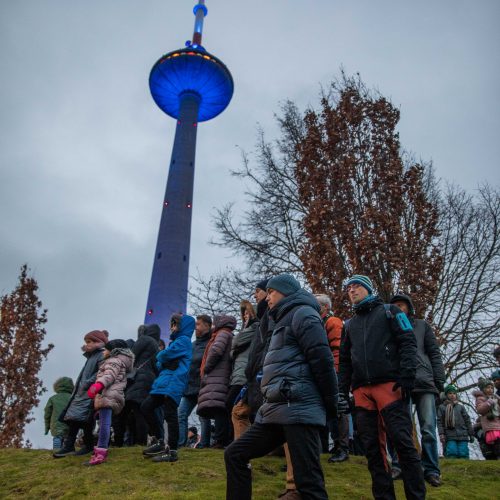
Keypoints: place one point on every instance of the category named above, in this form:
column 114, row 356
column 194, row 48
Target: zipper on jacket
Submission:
column 364, row 345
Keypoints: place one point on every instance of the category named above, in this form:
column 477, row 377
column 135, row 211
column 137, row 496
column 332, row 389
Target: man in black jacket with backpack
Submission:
column 378, row 362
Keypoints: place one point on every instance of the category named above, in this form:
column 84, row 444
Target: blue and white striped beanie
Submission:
column 364, row 281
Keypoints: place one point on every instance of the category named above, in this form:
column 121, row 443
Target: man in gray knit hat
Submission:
column 299, row 386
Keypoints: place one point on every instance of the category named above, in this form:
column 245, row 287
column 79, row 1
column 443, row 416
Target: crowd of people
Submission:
column 294, row 378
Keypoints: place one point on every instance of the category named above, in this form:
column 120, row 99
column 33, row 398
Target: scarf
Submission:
column 449, row 415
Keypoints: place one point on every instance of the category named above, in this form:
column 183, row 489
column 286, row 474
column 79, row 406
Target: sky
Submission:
column 84, row 151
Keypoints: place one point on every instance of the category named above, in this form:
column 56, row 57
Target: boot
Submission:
column 168, row 456
column 340, row 456
column 98, row 457
column 64, row 452
column 84, row 450
column 157, row 448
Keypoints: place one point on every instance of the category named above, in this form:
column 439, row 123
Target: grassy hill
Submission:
column 200, row 475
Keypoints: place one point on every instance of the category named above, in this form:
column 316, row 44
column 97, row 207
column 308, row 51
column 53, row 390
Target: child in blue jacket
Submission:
column 173, row 366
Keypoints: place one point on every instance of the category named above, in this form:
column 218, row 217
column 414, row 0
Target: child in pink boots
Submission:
column 108, row 392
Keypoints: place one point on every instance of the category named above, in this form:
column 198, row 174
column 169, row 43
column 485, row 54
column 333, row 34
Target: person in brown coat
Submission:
column 108, row 392
column 215, row 370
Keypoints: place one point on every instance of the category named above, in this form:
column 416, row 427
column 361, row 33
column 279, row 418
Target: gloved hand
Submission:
column 439, row 386
column 95, row 389
column 406, row 385
column 343, row 406
column 241, row 395
column 471, row 439
column 330, row 407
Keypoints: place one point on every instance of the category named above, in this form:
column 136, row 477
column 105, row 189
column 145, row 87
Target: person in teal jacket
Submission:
column 173, row 365
column 63, row 388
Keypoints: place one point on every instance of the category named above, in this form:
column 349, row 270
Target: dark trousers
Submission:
column 339, row 430
column 132, row 420
column 260, row 439
column 148, row 408
column 74, row 427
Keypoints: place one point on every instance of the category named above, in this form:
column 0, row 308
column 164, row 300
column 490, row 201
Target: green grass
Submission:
column 200, row 474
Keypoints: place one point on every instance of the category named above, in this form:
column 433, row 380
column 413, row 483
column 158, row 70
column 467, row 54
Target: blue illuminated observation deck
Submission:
column 190, row 85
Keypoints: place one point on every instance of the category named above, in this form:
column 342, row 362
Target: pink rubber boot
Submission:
column 98, row 457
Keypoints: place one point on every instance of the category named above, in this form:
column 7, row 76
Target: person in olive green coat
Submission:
column 63, row 388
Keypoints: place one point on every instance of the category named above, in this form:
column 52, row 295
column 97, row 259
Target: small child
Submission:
column 108, row 391
column 454, row 425
column 488, row 407
column 63, row 388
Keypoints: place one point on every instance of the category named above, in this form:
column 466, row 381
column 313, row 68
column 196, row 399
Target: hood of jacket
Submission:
column 401, row 297
column 299, row 298
column 63, row 384
column 125, row 355
column 152, row 331
column 186, row 328
column 225, row 322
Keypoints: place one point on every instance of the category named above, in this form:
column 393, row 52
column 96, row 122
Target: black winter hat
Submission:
column 401, row 297
column 262, row 284
column 115, row 344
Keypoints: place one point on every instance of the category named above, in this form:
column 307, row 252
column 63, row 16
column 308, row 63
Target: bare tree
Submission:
column 21, row 354
column 466, row 311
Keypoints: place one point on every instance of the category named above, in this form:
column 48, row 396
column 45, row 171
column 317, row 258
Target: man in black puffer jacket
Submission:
column 299, row 387
column 429, row 383
column 378, row 360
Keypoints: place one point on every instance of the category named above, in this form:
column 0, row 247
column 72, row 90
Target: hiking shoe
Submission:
column 434, row 480
column 169, row 456
column 340, row 456
column 64, row 452
column 83, row 451
column 157, row 448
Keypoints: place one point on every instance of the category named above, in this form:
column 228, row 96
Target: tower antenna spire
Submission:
column 200, row 11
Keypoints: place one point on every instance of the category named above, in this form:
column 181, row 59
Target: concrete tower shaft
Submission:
column 190, row 85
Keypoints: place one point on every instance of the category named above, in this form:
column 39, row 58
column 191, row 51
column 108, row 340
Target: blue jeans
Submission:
column 57, row 442
column 426, row 412
column 186, row 407
column 457, row 449
column 105, row 415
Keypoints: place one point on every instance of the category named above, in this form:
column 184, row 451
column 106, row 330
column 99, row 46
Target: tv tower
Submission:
column 192, row 86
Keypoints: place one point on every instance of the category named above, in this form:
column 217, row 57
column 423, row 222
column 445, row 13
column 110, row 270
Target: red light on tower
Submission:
column 150, row 312
column 189, row 205
column 165, row 203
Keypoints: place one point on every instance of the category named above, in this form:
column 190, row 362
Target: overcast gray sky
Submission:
column 84, row 150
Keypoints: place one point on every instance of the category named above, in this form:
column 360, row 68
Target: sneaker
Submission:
column 157, row 448
column 434, row 480
column 83, row 451
column 169, row 456
column 64, row 452
column 340, row 456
